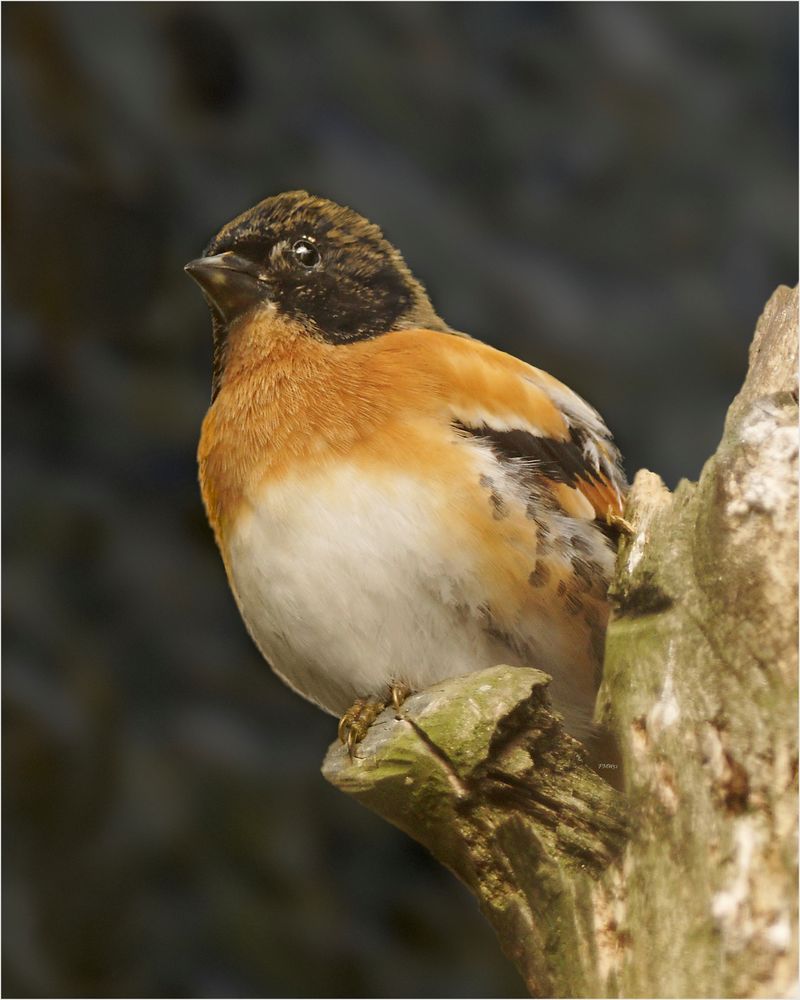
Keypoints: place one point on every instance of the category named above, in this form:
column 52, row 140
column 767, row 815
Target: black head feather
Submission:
column 327, row 267
column 317, row 263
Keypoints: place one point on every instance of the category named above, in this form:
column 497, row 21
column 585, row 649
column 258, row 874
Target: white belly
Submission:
column 351, row 586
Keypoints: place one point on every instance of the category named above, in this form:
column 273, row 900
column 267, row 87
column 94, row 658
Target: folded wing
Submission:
column 536, row 424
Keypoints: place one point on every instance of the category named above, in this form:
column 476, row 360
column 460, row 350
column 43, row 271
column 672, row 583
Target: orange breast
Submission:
column 290, row 402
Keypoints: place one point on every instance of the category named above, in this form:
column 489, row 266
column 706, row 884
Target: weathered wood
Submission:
column 685, row 886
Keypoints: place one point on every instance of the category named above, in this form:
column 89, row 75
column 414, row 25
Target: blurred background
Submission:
column 608, row 191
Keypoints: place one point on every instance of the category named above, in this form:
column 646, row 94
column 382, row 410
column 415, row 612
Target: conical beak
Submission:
column 231, row 284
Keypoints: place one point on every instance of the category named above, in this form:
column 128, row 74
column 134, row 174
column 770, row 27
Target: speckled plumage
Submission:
column 394, row 503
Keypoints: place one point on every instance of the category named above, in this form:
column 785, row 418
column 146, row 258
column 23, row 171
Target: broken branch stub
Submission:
column 480, row 771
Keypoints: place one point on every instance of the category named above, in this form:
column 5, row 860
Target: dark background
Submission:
column 607, row 191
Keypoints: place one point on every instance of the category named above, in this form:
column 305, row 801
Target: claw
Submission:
column 615, row 520
column 399, row 693
column 344, row 722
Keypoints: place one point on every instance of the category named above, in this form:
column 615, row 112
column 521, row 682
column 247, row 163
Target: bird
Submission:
column 395, row 502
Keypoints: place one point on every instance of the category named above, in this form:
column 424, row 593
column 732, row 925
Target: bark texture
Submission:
column 686, row 885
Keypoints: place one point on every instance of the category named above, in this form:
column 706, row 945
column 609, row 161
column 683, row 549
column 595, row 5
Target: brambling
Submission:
column 396, row 503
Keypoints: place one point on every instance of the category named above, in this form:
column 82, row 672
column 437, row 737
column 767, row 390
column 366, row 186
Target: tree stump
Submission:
column 686, row 885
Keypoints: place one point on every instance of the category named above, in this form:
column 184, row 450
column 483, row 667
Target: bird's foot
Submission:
column 615, row 520
column 355, row 723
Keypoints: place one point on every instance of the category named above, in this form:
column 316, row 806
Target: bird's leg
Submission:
column 355, row 722
column 399, row 692
column 615, row 520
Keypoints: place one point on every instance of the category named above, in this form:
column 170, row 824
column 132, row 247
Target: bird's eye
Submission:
column 306, row 253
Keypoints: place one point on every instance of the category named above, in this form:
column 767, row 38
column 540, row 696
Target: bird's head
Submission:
column 317, row 264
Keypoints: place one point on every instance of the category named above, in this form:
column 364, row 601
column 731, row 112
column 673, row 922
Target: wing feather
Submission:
column 527, row 416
